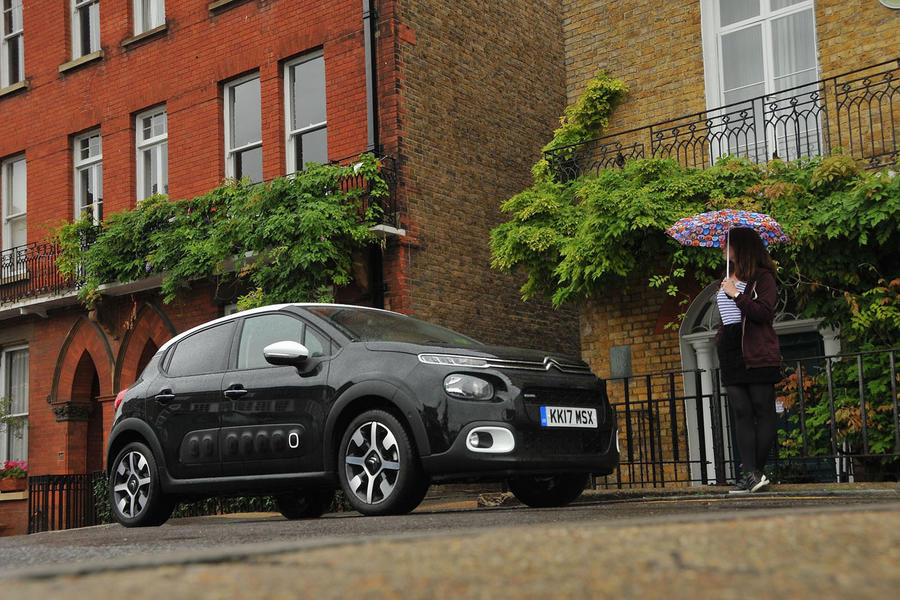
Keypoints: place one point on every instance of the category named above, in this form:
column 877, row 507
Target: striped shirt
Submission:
column 729, row 311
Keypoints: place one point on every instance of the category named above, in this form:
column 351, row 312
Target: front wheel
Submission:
column 554, row 490
column 378, row 466
column 135, row 495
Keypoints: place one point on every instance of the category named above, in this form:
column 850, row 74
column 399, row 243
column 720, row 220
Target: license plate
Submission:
column 563, row 416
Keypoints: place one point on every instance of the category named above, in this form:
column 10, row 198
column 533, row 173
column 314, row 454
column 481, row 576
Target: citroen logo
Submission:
column 551, row 362
column 373, row 462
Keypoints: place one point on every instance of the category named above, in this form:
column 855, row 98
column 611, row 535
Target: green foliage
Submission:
column 585, row 238
column 583, row 120
column 290, row 239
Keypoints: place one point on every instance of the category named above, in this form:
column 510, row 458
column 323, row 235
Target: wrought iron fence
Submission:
column 857, row 111
column 61, row 502
column 837, row 417
column 30, row 270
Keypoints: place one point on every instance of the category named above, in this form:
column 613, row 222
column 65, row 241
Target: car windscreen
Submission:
column 364, row 325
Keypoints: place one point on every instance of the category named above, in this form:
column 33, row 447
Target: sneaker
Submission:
column 742, row 486
column 759, row 482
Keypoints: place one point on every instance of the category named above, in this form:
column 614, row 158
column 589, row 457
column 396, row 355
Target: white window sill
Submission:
column 81, row 60
column 12, row 89
column 221, row 4
column 145, row 35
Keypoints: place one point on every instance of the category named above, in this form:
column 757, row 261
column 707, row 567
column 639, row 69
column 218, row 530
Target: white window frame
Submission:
column 157, row 144
column 156, row 16
column 93, row 9
column 712, row 39
column 230, row 170
column 4, row 384
column 11, row 39
column 292, row 165
column 6, row 183
column 94, row 164
column 712, row 34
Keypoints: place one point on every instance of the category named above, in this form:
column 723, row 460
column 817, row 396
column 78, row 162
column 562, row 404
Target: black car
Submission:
column 296, row 400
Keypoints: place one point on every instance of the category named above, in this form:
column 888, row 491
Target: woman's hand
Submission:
column 729, row 288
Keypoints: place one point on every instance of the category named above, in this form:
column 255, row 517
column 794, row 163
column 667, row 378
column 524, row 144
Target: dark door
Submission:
column 188, row 401
column 277, row 414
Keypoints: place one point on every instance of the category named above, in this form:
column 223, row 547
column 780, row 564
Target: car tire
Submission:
column 542, row 492
column 136, row 498
column 304, row 504
column 384, row 476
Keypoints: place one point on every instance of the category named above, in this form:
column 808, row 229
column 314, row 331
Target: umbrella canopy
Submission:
column 710, row 229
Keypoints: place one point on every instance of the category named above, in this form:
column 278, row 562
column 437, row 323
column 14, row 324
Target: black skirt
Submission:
column 731, row 361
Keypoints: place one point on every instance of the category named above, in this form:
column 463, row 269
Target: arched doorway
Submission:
column 799, row 338
column 85, row 391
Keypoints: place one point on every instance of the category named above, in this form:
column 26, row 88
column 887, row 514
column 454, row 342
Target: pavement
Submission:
column 846, row 550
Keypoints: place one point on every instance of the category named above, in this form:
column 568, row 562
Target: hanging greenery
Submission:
column 290, row 239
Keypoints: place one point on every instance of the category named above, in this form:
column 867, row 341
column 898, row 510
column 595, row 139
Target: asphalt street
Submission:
column 784, row 544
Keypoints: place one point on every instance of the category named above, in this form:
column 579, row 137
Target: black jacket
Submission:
column 757, row 304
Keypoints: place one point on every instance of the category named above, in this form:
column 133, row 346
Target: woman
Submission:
column 749, row 355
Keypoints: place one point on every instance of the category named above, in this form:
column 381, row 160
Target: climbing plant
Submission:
column 289, row 239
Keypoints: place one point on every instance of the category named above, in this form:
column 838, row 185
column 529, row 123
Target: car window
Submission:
column 367, row 325
column 204, row 352
column 317, row 344
column 259, row 332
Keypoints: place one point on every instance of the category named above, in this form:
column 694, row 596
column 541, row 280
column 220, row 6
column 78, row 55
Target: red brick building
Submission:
column 105, row 103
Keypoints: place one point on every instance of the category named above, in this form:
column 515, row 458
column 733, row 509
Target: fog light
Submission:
column 480, row 439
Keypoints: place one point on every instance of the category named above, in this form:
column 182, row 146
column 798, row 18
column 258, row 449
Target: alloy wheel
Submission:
column 131, row 487
column 372, row 462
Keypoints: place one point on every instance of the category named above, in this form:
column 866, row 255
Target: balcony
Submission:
column 30, row 281
column 857, row 111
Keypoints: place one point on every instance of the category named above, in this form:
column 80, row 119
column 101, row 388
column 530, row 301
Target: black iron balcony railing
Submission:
column 30, row 271
column 857, row 111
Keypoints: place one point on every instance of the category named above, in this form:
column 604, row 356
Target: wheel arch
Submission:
column 367, row 396
column 133, row 430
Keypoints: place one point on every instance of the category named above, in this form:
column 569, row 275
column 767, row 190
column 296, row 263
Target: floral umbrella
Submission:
column 710, row 229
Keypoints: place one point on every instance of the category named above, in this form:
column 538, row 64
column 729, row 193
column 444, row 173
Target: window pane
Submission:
column 308, row 92
column 204, row 352
column 314, row 147
column 246, row 119
column 150, row 172
column 259, row 332
column 17, row 381
column 742, row 58
column 315, row 343
column 794, row 50
column 732, row 11
column 95, row 27
column 249, row 163
column 16, row 187
column 164, row 167
column 18, row 232
column 779, row 4
column 86, row 191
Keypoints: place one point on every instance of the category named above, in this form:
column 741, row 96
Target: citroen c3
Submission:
column 298, row 400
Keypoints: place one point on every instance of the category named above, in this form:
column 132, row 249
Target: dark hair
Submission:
column 750, row 253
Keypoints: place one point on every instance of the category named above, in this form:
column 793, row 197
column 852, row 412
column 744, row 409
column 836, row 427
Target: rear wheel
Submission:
column 304, row 504
column 554, row 490
column 135, row 495
column 378, row 466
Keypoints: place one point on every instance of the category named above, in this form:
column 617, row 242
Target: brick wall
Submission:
column 482, row 89
column 852, row 35
column 184, row 69
column 13, row 513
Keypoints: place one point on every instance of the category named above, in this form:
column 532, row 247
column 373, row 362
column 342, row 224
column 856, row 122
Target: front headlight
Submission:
column 468, row 387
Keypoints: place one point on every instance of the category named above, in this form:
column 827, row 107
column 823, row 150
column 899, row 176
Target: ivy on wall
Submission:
column 289, row 240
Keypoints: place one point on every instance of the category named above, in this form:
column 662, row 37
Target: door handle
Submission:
column 165, row 396
column 235, row 392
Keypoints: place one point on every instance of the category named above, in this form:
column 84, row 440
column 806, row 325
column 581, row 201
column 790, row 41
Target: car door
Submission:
column 187, row 402
column 276, row 413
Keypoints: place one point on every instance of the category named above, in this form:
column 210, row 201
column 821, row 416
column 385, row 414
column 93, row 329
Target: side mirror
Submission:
column 286, row 353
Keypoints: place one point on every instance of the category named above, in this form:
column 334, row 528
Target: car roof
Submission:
column 263, row 309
